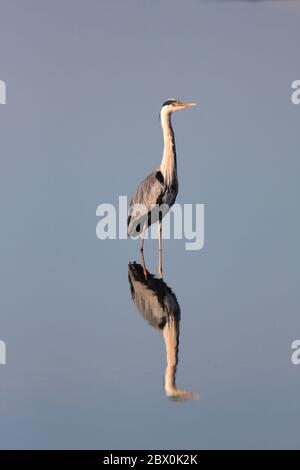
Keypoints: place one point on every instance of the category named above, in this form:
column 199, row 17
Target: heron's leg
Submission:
column 143, row 238
column 142, row 251
column 160, row 271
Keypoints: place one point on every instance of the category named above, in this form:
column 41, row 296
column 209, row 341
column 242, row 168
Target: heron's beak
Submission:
column 185, row 105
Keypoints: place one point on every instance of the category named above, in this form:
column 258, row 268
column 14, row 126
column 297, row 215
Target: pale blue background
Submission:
column 85, row 82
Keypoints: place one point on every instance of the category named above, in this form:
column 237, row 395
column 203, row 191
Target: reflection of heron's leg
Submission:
column 144, row 265
column 142, row 251
column 160, row 272
column 143, row 238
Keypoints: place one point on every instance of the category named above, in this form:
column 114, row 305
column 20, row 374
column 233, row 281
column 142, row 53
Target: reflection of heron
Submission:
column 157, row 192
column 158, row 305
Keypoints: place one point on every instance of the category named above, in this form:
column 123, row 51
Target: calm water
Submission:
column 96, row 349
column 86, row 370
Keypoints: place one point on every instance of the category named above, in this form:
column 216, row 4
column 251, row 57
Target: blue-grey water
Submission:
column 85, row 82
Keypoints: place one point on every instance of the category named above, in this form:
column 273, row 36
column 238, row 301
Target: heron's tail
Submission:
column 136, row 224
column 133, row 227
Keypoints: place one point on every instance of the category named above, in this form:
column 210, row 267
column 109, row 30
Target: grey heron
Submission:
column 158, row 191
column 158, row 304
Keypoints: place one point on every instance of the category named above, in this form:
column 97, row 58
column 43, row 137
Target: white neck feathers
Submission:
column 168, row 163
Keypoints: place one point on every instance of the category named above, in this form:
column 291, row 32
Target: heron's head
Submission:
column 172, row 105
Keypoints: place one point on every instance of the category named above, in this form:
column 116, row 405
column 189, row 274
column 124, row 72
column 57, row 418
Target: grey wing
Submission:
column 148, row 193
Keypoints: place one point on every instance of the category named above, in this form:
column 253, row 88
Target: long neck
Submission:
column 171, row 338
column 168, row 165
